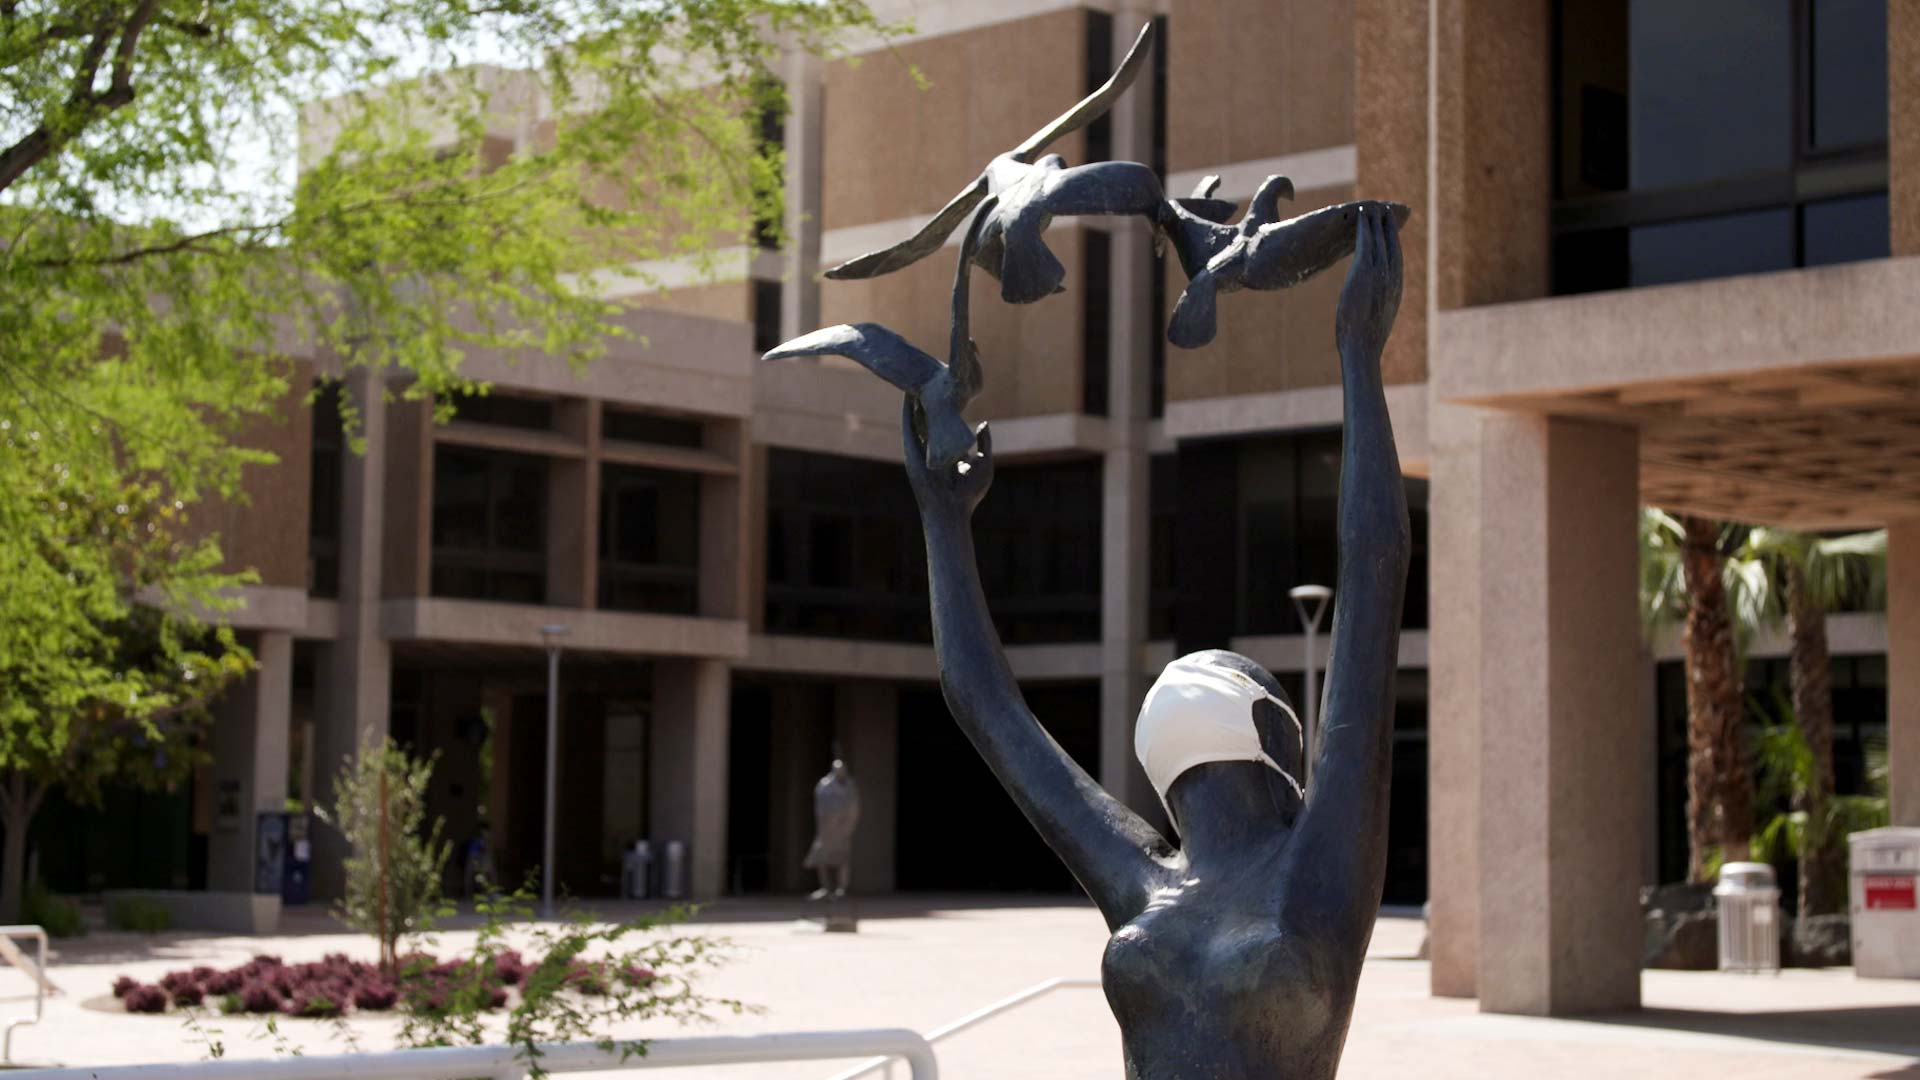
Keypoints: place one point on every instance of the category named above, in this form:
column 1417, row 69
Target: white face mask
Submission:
column 1199, row 711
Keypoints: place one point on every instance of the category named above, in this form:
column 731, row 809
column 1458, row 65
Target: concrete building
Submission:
column 1659, row 255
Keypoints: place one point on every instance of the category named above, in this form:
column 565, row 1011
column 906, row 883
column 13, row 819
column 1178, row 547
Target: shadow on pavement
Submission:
column 1886, row 1029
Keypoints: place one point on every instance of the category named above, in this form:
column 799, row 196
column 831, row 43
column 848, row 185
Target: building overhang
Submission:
column 1789, row 398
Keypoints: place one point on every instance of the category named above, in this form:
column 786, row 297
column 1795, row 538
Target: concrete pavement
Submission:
column 922, row 962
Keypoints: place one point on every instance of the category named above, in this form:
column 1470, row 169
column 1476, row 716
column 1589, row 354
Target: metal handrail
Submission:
column 510, row 1062
column 38, row 975
column 985, row 1012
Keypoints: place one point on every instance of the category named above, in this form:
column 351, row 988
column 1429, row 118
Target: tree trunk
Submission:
column 17, row 816
column 1811, row 675
column 1719, row 779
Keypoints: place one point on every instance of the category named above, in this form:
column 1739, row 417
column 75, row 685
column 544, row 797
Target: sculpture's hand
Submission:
column 1371, row 297
column 951, row 492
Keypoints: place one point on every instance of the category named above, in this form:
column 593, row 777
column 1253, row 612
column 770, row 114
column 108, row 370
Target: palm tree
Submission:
column 1801, row 578
column 1685, row 578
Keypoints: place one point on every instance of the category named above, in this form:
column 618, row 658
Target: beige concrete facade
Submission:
column 1539, row 422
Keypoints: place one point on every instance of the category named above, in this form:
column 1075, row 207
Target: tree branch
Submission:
column 84, row 105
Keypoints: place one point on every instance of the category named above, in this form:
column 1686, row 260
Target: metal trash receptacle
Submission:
column 1749, row 903
column 673, row 870
column 1884, row 872
column 636, row 871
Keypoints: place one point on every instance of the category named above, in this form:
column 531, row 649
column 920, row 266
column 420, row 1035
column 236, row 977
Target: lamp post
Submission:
column 1311, row 602
column 551, row 636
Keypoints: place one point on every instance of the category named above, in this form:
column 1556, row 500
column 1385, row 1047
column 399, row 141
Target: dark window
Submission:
column 1257, row 517
column 489, row 525
column 324, row 492
column 649, row 540
column 1717, row 137
column 844, row 550
column 1099, row 68
column 1038, row 541
column 1163, row 527
column 505, row 410
column 1096, row 299
column 654, row 428
column 766, row 315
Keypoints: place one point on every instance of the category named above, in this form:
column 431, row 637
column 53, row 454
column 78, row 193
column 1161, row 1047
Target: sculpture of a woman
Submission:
column 1236, row 953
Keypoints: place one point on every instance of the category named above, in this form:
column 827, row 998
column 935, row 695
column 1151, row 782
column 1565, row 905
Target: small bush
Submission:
column 374, row 995
column 140, row 915
column 312, row 1003
column 125, row 985
column 145, row 999
column 232, row 1004
column 187, row 996
column 258, row 997
column 59, row 918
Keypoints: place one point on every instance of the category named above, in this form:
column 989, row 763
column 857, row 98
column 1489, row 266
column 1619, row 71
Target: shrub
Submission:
column 59, row 918
column 140, row 915
column 145, row 999
column 258, row 997
column 124, row 985
column 312, row 1003
column 375, row 995
column 232, row 1004
column 188, row 996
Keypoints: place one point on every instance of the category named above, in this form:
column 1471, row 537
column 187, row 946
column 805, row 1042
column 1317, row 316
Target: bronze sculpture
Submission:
column 1236, row 954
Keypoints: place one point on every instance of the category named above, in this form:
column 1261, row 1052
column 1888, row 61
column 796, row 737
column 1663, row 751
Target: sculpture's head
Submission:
column 1218, row 734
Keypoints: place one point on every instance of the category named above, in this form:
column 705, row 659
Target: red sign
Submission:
column 1889, row 892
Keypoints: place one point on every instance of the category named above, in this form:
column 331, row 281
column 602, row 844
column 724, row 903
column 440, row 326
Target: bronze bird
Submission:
column 941, row 391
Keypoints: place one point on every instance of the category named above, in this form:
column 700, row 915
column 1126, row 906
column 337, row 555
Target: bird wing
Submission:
column 875, row 347
column 1094, row 105
column 962, row 357
column 918, row 246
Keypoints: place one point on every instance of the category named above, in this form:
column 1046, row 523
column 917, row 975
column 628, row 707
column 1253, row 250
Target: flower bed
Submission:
column 337, row 986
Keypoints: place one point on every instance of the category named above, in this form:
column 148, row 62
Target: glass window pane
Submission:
column 1712, row 87
column 1712, row 247
column 1846, row 230
column 1849, row 73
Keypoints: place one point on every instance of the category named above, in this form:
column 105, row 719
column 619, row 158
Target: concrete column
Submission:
column 1131, row 322
column 1453, row 729
column 867, row 725
column 1903, row 671
column 251, row 727
column 800, row 291
column 725, row 546
column 1903, row 125
column 1492, row 150
column 573, row 511
column 1390, row 114
column 353, row 683
column 688, row 775
column 1560, row 927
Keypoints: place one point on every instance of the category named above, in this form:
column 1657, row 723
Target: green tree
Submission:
column 1786, row 774
column 398, row 857
column 105, row 573
column 1685, row 580
column 158, row 253
column 1798, row 578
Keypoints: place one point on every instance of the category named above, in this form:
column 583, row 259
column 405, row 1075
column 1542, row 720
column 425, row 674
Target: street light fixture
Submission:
column 1311, row 602
column 552, row 636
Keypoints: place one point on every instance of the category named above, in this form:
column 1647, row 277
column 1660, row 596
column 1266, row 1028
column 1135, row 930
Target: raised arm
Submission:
column 1341, row 844
column 1106, row 846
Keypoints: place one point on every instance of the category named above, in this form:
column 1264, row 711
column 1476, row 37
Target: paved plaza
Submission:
column 923, row 963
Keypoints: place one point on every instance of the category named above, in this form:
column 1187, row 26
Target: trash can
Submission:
column 1749, row 904
column 1884, row 866
column 673, row 870
column 636, row 867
